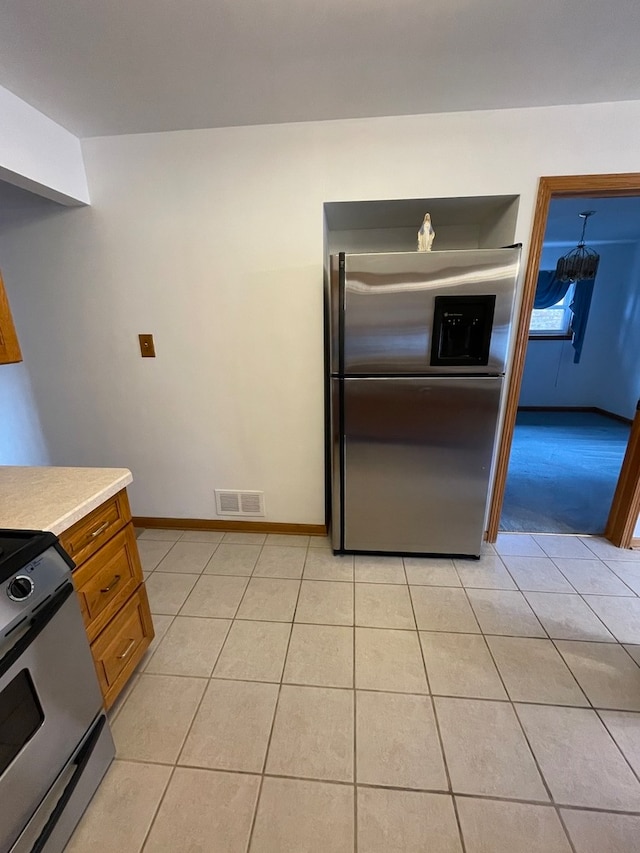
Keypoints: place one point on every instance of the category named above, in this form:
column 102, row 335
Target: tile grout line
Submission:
column 599, row 641
column 632, row 593
column 385, row 690
column 556, row 567
column 523, row 590
column 157, row 809
column 187, row 542
column 161, row 560
column 547, row 787
column 554, row 643
column 522, row 729
column 232, row 619
column 622, row 645
column 607, row 629
column 490, row 634
column 513, row 710
column 506, row 568
column 611, row 735
column 355, row 719
column 273, row 721
column 592, row 558
column 598, row 537
column 175, row 764
column 205, row 572
column 518, row 587
column 552, row 803
column 379, row 787
column 184, row 740
column 113, row 715
column 555, row 805
column 204, row 693
column 174, row 767
column 153, row 653
column 436, row 694
column 224, row 643
column 620, row 578
column 435, row 717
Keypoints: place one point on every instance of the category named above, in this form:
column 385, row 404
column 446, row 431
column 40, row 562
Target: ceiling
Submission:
column 615, row 219
column 112, row 67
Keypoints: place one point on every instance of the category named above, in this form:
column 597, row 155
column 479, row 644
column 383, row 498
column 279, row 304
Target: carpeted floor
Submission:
column 563, row 471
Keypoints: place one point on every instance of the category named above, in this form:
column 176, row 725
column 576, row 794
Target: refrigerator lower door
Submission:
column 416, row 458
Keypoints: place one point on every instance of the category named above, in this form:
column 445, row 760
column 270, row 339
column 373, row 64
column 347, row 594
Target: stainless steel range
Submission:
column 55, row 743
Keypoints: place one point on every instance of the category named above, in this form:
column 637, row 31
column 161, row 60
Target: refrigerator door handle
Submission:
column 337, row 461
column 341, row 311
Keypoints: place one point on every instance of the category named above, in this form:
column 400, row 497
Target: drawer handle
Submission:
column 100, row 529
column 127, row 650
column 116, row 580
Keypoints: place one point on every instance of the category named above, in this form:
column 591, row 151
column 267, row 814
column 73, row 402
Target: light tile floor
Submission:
column 298, row 702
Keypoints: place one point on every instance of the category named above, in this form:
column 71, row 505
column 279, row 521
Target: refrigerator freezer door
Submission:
column 389, row 302
column 417, row 457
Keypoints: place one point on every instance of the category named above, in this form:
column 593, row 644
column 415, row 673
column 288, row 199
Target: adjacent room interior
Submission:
column 579, row 391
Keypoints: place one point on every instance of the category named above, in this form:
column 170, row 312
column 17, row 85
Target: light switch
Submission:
column 147, row 348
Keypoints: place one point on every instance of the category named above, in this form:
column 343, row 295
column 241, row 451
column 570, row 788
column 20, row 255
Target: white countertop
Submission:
column 54, row 498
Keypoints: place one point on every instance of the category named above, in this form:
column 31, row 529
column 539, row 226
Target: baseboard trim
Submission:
column 614, row 417
column 217, row 524
column 557, row 409
column 593, row 409
column 635, row 543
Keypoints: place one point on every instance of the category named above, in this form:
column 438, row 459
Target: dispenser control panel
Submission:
column 462, row 330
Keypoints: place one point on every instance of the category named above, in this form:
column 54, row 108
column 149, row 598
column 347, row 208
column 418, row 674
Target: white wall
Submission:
column 39, row 155
column 21, row 438
column 212, row 241
column 607, row 375
column 22, row 441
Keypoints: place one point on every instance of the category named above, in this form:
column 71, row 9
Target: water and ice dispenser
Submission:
column 462, row 330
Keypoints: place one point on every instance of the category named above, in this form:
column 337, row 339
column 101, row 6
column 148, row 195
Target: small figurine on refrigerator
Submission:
column 426, row 234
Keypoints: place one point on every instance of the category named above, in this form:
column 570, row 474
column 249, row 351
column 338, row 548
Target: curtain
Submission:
column 580, row 306
column 549, row 290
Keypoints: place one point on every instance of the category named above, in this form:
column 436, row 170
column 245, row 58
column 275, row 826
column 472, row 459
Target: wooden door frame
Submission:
column 625, row 501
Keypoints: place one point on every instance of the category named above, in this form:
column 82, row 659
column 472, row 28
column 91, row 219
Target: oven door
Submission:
column 49, row 697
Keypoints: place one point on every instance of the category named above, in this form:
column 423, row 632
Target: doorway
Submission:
column 579, row 191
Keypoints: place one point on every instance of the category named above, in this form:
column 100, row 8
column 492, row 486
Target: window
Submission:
column 20, row 717
column 554, row 321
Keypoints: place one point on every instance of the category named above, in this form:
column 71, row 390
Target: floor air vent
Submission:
column 239, row 503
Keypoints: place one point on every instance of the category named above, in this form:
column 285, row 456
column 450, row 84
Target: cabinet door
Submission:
column 106, row 580
column 122, row 644
column 9, row 347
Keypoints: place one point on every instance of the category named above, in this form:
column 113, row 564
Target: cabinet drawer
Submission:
column 91, row 532
column 106, row 580
column 123, row 642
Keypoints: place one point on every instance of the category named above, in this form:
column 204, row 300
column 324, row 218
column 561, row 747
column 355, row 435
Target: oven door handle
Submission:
column 37, row 623
column 81, row 760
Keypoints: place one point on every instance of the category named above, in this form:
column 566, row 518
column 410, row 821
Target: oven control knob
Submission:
column 20, row 588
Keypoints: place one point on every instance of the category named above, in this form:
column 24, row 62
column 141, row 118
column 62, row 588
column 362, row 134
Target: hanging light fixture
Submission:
column 580, row 263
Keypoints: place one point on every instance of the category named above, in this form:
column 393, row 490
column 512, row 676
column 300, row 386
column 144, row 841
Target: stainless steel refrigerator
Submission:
column 417, row 343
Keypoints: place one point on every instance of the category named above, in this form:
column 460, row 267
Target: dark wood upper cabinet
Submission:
column 9, row 346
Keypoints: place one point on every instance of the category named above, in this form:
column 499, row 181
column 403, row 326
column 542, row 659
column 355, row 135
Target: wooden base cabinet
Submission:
column 118, row 650
column 110, row 585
